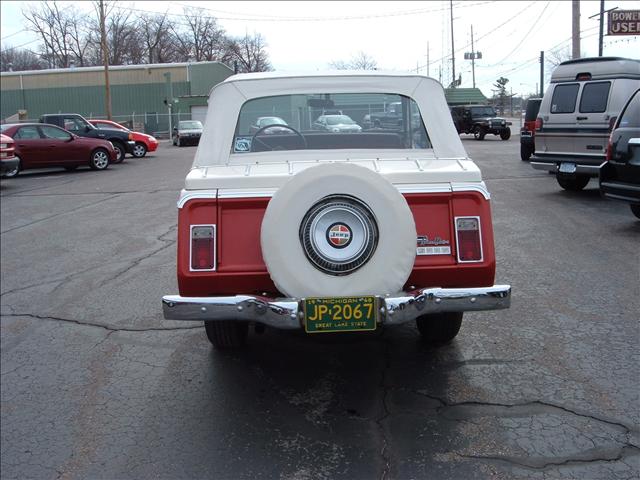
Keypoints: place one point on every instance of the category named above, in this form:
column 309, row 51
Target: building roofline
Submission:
column 142, row 66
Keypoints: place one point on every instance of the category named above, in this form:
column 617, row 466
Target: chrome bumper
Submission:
column 288, row 313
column 554, row 165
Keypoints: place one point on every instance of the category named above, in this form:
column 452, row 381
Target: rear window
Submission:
column 594, row 97
column 328, row 121
column 631, row 116
column 564, row 98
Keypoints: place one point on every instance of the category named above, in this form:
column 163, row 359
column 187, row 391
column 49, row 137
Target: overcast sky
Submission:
column 308, row 36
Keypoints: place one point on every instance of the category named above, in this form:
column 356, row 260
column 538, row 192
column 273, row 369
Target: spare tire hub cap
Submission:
column 339, row 234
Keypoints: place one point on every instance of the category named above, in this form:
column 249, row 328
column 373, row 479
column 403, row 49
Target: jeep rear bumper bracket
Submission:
column 287, row 313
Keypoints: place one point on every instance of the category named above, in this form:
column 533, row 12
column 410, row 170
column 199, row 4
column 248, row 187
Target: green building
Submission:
column 142, row 96
column 465, row 96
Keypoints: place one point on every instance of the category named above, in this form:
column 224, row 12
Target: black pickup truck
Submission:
column 122, row 141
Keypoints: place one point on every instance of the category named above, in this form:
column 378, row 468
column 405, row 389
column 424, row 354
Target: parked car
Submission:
column 8, row 160
column 332, row 231
column 527, row 132
column 480, row 120
column 143, row 143
column 269, row 125
column 39, row 145
column 336, row 124
column 187, row 132
column 620, row 176
column 577, row 114
column 78, row 125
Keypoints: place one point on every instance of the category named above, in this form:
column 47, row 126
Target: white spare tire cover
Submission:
column 338, row 229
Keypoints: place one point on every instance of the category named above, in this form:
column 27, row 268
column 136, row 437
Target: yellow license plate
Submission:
column 340, row 314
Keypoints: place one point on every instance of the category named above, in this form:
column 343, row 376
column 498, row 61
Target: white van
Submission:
column 578, row 110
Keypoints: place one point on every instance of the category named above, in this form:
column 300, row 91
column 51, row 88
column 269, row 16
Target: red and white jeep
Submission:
column 329, row 226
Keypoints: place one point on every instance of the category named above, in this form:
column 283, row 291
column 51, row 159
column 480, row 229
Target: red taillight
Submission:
column 203, row 247
column 539, row 123
column 469, row 242
column 610, row 148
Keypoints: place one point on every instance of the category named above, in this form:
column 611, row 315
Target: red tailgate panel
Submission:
column 241, row 269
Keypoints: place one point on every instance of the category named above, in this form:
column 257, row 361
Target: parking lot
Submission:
column 95, row 384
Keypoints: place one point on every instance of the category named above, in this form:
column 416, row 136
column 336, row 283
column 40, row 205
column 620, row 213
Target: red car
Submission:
column 144, row 143
column 38, row 145
column 8, row 160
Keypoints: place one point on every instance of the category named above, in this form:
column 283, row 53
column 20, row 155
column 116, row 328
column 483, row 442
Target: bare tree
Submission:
column 63, row 35
column 359, row 61
column 557, row 56
column 158, row 38
column 202, row 39
column 250, row 53
column 14, row 59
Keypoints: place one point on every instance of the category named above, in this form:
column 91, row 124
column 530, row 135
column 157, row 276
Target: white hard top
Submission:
column 599, row 68
column 227, row 98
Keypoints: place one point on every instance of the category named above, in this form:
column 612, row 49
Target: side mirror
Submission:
column 87, row 128
column 71, row 138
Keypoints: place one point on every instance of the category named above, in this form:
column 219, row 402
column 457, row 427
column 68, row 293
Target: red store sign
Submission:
column 624, row 22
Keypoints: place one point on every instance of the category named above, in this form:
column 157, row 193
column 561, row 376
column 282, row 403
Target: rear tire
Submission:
column 15, row 171
column 120, row 151
column 99, row 159
column 525, row 153
column 635, row 209
column 139, row 150
column 505, row 134
column 227, row 334
column 439, row 328
column 572, row 183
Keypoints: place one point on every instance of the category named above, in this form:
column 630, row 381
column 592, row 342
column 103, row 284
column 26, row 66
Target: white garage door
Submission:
column 199, row 113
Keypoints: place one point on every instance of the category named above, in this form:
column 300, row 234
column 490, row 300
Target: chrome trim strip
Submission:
column 580, row 168
column 471, row 187
column 288, row 313
column 404, row 188
column 424, row 188
column 185, row 197
column 246, row 193
column 634, row 141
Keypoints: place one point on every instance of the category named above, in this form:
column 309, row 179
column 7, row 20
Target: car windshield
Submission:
column 271, row 121
column 483, row 112
column 191, row 124
column 313, row 129
column 339, row 120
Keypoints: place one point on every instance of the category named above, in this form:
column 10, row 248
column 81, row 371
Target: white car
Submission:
column 336, row 124
column 187, row 132
column 331, row 232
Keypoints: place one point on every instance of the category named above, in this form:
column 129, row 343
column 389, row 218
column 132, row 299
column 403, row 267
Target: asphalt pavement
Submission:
column 96, row 384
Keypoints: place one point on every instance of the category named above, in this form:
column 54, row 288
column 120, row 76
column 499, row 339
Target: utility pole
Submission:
column 427, row 59
column 105, row 59
column 473, row 55
column 575, row 29
column 601, row 27
column 541, row 74
column 453, row 55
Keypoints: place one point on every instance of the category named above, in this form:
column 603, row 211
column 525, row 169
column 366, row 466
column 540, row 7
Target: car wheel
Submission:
column 226, row 334
column 635, row 208
column 525, row 153
column 70, row 168
column 15, row 171
column 338, row 229
column 439, row 328
column 572, row 183
column 479, row 133
column 505, row 134
column 173, row 141
column 179, row 142
column 99, row 159
column 139, row 150
column 120, row 151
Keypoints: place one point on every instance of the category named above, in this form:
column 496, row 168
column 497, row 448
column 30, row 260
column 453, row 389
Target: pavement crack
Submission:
column 386, row 459
column 111, row 328
column 594, row 455
column 540, row 403
column 167, row 243
column 66, row 212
